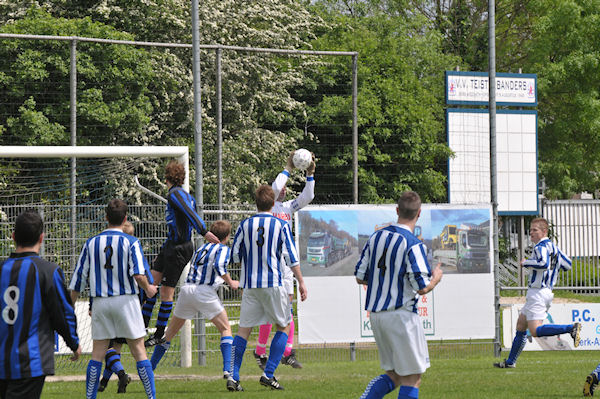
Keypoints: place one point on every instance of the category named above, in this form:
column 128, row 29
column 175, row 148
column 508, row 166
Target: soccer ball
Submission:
column 302, row 159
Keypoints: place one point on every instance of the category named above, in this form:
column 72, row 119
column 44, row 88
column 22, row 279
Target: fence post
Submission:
column 352, row 351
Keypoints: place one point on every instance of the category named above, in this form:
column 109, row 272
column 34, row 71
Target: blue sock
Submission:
column 597, row 371
column 517, row 346
column 163, row 317
column 113, row 361
column 239, row 347
column 407, row 392
column 226, row 343
column 275, row 352
column 158, row 353
column 147, row 309
column 144, row 369
column 546, row 330
column 92, row 379
column 378, row 387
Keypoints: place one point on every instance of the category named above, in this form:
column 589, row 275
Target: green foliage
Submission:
column 400, row 97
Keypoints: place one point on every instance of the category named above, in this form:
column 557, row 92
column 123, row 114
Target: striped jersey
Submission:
column 35, row 303
column 209, row 264
column 108, row 263
column 545, row 263
column 181, row 216
column 263, row 244
column 394, row 264
column 284, row 210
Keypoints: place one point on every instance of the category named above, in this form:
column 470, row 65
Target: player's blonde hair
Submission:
column 128, row 228
column 265, row 198
column 175, row 173
column 542, row 223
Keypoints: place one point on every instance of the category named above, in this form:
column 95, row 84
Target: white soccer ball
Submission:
column 302, row 159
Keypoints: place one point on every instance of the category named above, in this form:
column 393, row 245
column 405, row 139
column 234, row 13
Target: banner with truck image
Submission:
column 330, row 240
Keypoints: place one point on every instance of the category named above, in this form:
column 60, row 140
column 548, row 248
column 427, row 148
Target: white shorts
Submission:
column 117, row 317
column 194, row 298
column 288, row 280
column 537, row 303
column 265, row 305
column 400, row 338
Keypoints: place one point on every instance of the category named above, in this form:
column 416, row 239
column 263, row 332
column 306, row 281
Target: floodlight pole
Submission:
column 493, row 177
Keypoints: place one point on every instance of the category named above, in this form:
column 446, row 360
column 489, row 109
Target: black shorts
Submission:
column 114, row 341
column 24, row 388
column 171, row 261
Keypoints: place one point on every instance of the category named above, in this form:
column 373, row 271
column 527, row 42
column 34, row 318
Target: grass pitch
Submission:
column 538, row 375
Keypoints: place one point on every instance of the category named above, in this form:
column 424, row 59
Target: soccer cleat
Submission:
column 233, row 385
column 576, row 334
column 504, row 365
column 261, row 360
column 153, row 341
column 291, row 360
column 591, row 382
column 103, row 384
column 270, row 382
column 124, row 380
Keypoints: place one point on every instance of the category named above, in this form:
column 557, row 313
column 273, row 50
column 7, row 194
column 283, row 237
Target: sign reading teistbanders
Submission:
column 518, row 89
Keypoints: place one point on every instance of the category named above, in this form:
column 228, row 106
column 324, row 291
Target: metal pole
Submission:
column 355, row 127
column 219, row 134
column 73, row 108
column 493, row 177
column 198, row 165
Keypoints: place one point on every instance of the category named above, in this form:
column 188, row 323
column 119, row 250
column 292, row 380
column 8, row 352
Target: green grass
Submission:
column 538, row 375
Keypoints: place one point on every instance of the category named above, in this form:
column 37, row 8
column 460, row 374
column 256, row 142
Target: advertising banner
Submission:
column 472, row 88
column 588, row 314
column 331, row 238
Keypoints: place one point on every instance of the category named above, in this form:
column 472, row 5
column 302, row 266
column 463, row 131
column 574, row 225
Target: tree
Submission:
column 401, row 129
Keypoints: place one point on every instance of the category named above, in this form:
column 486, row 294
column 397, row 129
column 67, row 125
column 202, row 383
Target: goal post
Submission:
column 181, row 153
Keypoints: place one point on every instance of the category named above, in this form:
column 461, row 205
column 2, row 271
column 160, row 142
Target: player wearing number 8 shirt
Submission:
column 263, row 244
column 114, row 266
column 34, row 304
column 393, row 265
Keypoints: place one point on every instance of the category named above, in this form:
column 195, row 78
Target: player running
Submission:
column 261, row 244
column 199, row 294
column 546, row 262
column 284, row 210
column 177, row 249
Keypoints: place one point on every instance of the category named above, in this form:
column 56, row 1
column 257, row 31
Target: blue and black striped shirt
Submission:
column 181, row 216
column 35, row 303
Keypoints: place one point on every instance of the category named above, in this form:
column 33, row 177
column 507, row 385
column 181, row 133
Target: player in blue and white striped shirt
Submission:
column 199, row 294
column 546, row 261
column 263, row 244
column 113, row 265
column 393, row 265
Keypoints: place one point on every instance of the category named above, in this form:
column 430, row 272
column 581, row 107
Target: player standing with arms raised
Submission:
column 284, row 210
column 546, row 262
column 177, row 250
column 262, row 244
column 393, row 265
column 113, row 265
column 34, row 304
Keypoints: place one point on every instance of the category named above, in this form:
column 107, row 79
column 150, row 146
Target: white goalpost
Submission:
column 181, row 153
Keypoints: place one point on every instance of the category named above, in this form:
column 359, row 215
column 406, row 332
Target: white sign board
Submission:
column 334, row 311
column 473, row 88
column 516, row 156
column 588, row 314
